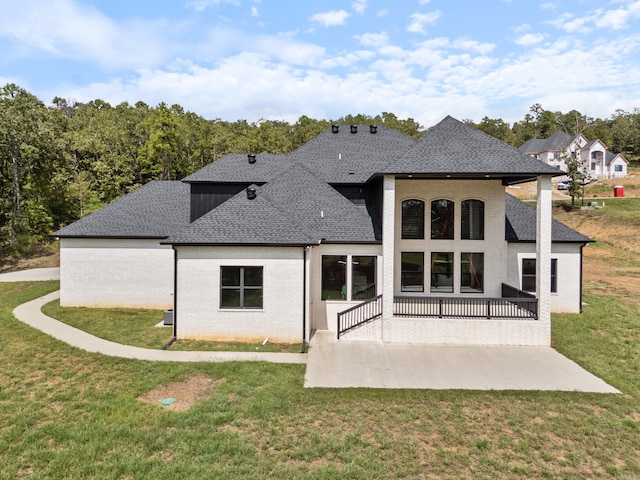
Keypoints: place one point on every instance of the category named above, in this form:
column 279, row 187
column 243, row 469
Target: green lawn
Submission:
column 137, row 327
column 65, row 413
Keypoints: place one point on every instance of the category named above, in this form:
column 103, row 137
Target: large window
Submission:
column 442, row 219
column 363, row 277
column 334, row 277
column 472, row 272
column 413, row 219
column 241, row 287
column 441, row 272
column 412, row 274
column 529, row 275
column 472, row 223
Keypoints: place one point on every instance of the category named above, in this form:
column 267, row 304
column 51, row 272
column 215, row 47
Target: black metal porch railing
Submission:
column 457, row 307
column 359, row 314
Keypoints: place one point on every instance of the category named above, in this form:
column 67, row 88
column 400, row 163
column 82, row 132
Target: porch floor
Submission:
column 333, row 363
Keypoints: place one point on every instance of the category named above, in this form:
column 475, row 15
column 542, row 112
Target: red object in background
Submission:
column 618, row 191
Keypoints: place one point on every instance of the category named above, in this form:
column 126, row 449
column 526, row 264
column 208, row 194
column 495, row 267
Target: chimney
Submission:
column 354, row 128
column 252, row 158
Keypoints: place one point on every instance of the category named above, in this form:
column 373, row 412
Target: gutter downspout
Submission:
column 175, row 299
column 304, row 299
column 581, row 261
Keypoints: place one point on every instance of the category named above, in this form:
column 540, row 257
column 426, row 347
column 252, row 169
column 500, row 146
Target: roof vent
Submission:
column 335, row 128
column 252, row 158
column 354, row 128
column 373, row 128
column 251, row 193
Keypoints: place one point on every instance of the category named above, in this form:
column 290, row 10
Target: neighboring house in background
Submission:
column 596, row 160
column 362, row 231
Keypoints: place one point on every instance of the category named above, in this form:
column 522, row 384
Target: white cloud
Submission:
column 613, row 19
column 382, row 13
column 424, row 2
column 525, row 27
column 548, row 6
column 66, row 29
column 418, row 21
column 359, row 6
column 529, row 39
column 202, row 5
column 255, row 12
column 330, row 19
column 372, row 39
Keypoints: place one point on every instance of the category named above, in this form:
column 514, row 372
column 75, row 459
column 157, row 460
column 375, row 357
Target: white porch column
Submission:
column 388, row 247
column 543, row 248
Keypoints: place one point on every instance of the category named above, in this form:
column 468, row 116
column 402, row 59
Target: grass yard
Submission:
column 65, row 413
column 137, row 327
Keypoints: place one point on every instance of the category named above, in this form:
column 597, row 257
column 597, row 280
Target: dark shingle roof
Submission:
column 155, row 210
column 557, row 141
column 235, row 168
column 346, row 157
column 521, row 225
column 452, row 147
column 297, row 208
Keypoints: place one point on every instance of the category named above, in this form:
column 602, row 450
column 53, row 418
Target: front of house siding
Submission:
column 198, row 311
column 127, row 273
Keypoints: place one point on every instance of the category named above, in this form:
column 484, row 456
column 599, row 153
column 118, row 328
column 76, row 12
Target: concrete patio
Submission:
column 333, row 363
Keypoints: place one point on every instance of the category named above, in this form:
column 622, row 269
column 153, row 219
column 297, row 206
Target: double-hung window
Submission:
column 241, row 287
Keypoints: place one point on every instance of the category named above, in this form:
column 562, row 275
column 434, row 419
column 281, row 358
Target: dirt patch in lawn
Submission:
column 184, row 393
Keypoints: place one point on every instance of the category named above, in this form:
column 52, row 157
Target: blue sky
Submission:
column 280, row 59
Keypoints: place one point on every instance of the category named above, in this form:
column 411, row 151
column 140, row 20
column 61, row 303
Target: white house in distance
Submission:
column 597, row 161
column 362, row 231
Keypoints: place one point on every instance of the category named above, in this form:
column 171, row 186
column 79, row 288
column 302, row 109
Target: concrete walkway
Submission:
column 340, row 364
column 32, row 275
column 346, row 364
column 31, row 314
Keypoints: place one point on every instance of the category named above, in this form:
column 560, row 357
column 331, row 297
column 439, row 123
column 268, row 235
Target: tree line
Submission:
column 61, row 161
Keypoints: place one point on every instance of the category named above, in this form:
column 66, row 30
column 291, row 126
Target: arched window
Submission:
column 442, row 219
column 413, row 219
column 472, row 220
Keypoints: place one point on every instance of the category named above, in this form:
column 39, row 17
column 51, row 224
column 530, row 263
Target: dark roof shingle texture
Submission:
column 155, row 210
column 521, row 225
column 452, row 147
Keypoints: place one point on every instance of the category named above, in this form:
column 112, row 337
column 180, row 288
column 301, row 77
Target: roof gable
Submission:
column 452, row 147
column 297, row 208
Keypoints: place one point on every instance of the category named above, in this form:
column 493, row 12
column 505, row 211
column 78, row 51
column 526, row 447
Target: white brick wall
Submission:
column 434, row 331
column 324, row 313
column 567, row 298
column 126, row 273
column 199, row 314
column 493, row 246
